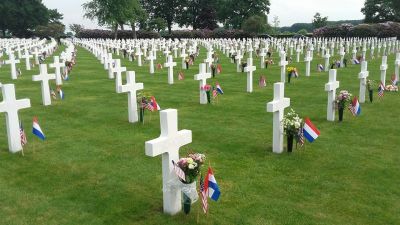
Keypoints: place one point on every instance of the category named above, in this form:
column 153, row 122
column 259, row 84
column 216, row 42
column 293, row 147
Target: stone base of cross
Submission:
column 277, row 106
column 168, row 145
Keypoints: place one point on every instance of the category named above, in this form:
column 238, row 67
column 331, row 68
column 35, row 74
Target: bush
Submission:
column 381, row 30
column 204, row 33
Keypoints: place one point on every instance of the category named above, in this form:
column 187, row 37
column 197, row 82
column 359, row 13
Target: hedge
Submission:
column 205, row 33
column 381, row 30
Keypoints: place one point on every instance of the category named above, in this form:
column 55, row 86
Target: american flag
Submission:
column 394, row 80
column 178, row 171
column 22, row 134
column 203, row 195
column 262, row 82
column 301, row 137
column 381, row 90
column 219, row 69
column 215, row 93
column 148, row 106
column 181, row 76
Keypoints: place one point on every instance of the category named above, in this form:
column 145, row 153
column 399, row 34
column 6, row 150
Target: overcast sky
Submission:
column 288, row 11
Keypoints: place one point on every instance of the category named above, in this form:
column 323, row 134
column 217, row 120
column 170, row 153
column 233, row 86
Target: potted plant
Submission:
column 292, row 124
column 191, row 166
column 342, row 101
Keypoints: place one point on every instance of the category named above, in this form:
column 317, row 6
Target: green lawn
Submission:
column 92, row 168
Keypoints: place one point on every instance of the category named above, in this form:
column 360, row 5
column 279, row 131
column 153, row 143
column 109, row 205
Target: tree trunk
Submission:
column 122, row 26
column 116, row 31
column 4, row 32
column 133, row 30
column 169, row 26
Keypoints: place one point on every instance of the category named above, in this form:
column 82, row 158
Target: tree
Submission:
column 255, row 24
column 21, row 17
column 76, row 28
column 55, row 30
column 302, row 32
column 377, row 11
column 234, row 13
column 319, row 21
column 275, row 23
column 158, row 24
column 114, row 13
column 55, row 16
column 169, row 10
column 200, row 14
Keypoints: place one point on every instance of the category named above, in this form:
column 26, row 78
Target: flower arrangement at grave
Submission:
column 371, row 85
column 145, row 103
column 292, row 127
column 191, row 166
column 343, row 100
column 292, row 72
column 207, row 88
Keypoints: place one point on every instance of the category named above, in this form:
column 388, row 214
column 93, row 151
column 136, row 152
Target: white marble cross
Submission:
column 57, row 65
column 110, row 62
column 342, row 53
column 397, row 65
column 298, row 51
column 383, row 68
column 238, row 58
column 277, row 106
column 131, row 87
column 202, row 77
column 151, row 58
column 44, row 77
column 308, row 60
column 363, row 80
column 183, row 55
column 283, row 63
column 36, row 54
column 327, row 57
column 10, row 106
column 139, row 54
column 263, row 54
column 27, row 57
column 209, row 60
column 168, row 145
column 249, row 69
column 118, row 74
column 12, row 61
column 331, row 87
column 170, row 64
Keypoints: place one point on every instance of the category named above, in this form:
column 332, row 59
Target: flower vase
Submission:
column 141, row 114
column 371, row 95
column 213, row 71
column 208, row 96
column 289, row 142
column 187, row 202
column 341, row 109
column 289, row 76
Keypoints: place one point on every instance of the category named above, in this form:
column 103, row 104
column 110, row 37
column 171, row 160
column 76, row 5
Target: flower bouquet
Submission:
column 207, row 89
column 292, row 124
column 191, row 167
column 342, row 101
column 292, row 72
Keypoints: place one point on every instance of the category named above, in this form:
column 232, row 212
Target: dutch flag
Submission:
column 210, row 184
column 219, row 89
column 36, row 129
column 310, row 131
column 154, row 103
column 355, row 107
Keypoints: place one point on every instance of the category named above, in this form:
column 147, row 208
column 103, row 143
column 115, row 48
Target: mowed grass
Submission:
column 92, row 169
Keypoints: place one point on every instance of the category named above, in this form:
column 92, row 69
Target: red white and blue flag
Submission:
column 154, row 103
column 394, row 80
column 381, row 89
column 178, row 171
column 310, row 132
column 355, row 107
column 219, row 89
column 210, row 184
column 22, row 134
column 36, row 130
column 203, row 194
